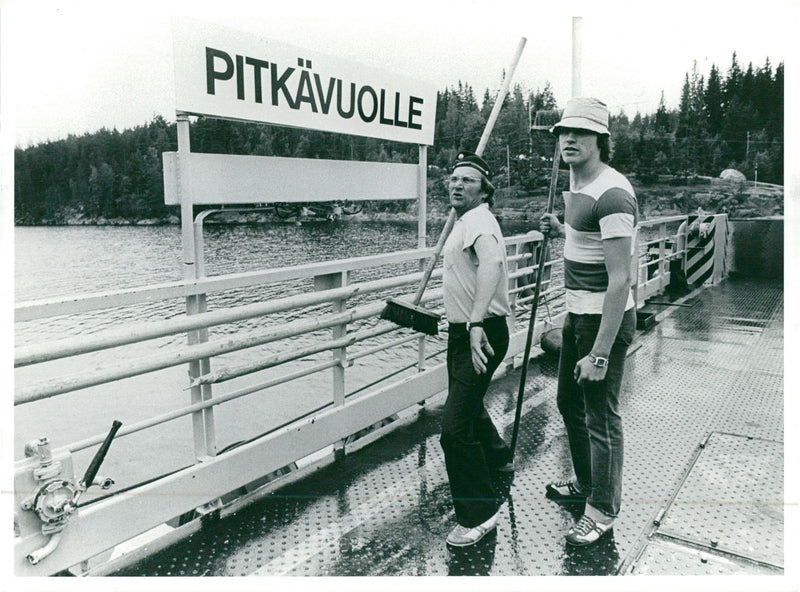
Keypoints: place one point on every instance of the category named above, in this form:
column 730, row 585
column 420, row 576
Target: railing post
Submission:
column 635, row 270
column 327, row 282
column 662, row 253
column 201, row 335
column 422, row 198
column 422, row 233
column 204, row 445
column 514, row 285
column 685, row 255
column 720, row 247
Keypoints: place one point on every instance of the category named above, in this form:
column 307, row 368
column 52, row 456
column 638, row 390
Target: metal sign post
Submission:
column 243, row 77
column 202, row 421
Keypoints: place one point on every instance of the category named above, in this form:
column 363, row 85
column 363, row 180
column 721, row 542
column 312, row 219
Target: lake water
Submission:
column 60, row 261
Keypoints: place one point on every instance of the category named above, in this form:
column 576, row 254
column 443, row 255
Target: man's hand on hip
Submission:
column 479, row 344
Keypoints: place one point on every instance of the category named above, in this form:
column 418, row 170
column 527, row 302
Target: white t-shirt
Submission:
column 461, row 265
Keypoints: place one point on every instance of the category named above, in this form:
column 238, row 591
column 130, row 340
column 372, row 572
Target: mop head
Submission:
column 406, row 314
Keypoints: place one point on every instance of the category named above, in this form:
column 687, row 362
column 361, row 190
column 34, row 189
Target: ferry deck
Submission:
column 702, row 404
column 702, row 408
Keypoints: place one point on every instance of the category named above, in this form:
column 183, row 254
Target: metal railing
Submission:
column 522, row 267
column 350, row 305
column 656, row 246
column 334, row 273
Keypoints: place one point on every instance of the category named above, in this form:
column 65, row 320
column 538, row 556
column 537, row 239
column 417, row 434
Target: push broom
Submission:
column 410, row 314
column 544, row 121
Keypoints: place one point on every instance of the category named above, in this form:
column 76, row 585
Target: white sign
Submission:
column 224, row 73
column 238, row 179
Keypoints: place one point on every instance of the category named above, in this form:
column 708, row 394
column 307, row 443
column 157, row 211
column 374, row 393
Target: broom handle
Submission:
column 448, row 226
column 487, row 130
column 501, row 96
column 532, row 322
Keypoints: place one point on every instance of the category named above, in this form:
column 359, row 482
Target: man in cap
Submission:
column 600, row 218
column 475, row 281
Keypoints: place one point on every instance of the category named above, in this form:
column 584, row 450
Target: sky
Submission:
column 75, row 67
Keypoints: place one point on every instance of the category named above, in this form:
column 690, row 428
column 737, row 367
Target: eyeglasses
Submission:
column 465, row 180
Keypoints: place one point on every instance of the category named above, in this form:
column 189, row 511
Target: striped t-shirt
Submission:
column 605, row 208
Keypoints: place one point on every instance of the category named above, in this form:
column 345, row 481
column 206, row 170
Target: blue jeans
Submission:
column 472, row 447
column 591, row 411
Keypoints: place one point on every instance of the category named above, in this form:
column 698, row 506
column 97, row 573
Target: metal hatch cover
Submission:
column 665, row 558
column 731, row 500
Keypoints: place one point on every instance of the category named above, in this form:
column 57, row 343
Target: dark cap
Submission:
column 471, row 159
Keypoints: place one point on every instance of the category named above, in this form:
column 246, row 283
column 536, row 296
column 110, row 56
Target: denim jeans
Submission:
column 471, row 444
column 591, row 412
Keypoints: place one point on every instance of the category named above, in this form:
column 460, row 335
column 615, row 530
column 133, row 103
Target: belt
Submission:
column 487, row 321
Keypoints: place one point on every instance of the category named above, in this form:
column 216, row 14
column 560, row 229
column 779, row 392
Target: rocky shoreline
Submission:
column 233, row 218
column 740, row 200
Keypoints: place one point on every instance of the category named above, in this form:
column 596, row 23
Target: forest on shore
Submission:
column 731, row 120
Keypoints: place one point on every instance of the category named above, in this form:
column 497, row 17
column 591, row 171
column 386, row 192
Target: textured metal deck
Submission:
column 731, row 500
column 702, row 406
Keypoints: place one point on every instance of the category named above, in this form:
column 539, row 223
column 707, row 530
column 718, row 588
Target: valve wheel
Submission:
column 54, row 501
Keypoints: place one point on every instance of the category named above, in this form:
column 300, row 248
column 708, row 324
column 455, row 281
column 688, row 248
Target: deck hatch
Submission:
column 664, row 558
column 732, row 499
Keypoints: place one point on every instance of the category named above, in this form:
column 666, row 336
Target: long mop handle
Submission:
column 487, row 131
column 501, row 96
column 531, row 323
column 448, row 226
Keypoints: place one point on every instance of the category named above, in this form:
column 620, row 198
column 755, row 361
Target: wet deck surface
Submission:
column 702, row 408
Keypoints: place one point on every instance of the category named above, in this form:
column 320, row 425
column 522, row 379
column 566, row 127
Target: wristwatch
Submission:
column 471, row 324
column 598, row 361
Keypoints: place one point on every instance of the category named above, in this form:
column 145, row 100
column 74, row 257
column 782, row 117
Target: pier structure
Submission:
column 348, row 479
column 358, row 487
column 703, row 480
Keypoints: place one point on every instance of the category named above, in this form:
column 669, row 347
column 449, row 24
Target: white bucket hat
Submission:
column 584, row 113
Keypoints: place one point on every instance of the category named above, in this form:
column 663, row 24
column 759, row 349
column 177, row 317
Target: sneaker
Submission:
column 565, row 491
column 586, row 531
column 462, row 536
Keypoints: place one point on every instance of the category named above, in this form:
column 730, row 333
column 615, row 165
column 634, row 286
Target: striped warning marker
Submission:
column 700, row 252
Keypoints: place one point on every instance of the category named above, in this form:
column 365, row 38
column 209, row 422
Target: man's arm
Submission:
column 489, row 274
column 617, row 252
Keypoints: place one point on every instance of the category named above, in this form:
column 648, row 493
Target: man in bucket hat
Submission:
column 475, row 286
column 600, row 218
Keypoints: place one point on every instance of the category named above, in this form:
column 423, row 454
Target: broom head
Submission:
column 414, row 317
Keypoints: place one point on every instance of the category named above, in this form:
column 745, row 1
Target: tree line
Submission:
column 723, row 121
